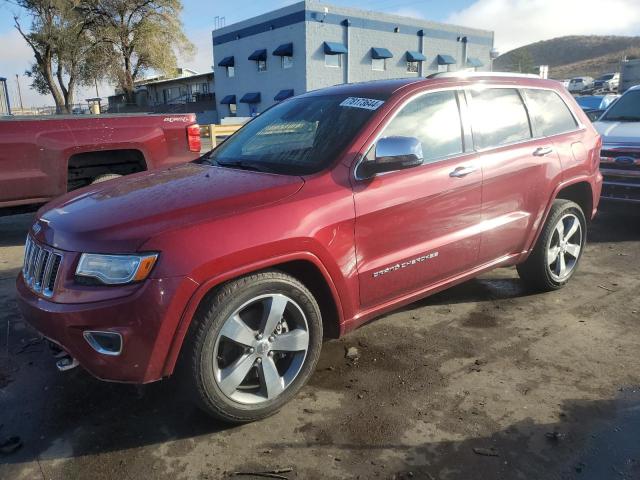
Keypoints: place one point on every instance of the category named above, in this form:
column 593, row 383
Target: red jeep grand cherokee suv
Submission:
column 323, row 212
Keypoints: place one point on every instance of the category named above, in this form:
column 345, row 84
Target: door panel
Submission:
column 517, row 169
column 419, row 226
column 415, row 228
column 515, row 190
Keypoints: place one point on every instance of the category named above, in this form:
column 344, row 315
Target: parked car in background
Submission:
column 44, row 157
column 327, row 210
column 595, row 105
column 619, row 127
column 578, row 84
column 565, row 83
column 608, row 82
column 629, row 75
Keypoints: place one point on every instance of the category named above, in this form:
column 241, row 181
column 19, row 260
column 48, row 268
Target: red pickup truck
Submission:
column 44, row 157
column 320, row 214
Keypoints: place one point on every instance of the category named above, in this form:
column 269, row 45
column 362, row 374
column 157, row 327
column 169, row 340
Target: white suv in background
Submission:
column 578, row 84
column 608, row 82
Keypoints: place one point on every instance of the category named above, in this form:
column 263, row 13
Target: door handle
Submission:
column 462, row 171
column 542, row 151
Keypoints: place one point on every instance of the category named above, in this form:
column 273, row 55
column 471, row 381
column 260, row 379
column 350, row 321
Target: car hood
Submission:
column 619, row 132
column 120, row 215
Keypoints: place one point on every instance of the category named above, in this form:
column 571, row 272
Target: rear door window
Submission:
column 549, row 114
column 498, row 117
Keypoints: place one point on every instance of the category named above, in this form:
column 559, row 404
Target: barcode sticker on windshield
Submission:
column 366, row 103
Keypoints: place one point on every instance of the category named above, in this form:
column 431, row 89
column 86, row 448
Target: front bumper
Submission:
column 146, row 319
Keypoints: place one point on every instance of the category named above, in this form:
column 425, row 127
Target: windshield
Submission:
column 300, row 136
column 625, row 109
column 608, row 76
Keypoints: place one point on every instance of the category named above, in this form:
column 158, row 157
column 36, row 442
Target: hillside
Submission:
column 571, row 56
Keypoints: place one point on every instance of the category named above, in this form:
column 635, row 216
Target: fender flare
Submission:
column 562, row 185
column 204, row 288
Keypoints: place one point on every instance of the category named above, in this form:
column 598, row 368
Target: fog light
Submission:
column 106, row 343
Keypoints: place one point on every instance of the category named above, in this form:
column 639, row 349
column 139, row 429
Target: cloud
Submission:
column 519, row 22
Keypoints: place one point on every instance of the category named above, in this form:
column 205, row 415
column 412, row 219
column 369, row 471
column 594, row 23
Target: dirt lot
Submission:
column 484, row 381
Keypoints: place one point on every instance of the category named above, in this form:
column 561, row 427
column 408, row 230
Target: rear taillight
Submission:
column 193, row 138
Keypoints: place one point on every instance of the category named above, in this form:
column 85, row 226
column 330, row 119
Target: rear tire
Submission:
column 252, row 346
column 555, row 257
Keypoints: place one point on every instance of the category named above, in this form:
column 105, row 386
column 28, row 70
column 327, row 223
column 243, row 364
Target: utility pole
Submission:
column 96, row 82
column 19, row 92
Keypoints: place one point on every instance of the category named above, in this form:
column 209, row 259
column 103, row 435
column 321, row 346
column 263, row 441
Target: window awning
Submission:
column 284, row 50
column 258, row 55
column 379, row 53
column 334, row 48
column 229, row 99
column 251, row 97
column 415, row 56
column 474, row 62
column 446, row 60
column 227, row 62
column 283, row 94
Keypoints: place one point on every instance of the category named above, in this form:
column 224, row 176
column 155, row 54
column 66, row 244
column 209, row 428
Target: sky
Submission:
column 515, row 22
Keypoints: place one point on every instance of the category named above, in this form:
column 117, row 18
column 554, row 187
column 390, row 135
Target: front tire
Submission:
column 253, row 345
column 555, row 257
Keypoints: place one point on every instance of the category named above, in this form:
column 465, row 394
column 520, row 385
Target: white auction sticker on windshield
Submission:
column 366, row 103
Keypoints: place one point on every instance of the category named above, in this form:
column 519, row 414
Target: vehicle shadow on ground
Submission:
column 591, row 440
column 615, row 223
column 82, row 417
column 13, row 229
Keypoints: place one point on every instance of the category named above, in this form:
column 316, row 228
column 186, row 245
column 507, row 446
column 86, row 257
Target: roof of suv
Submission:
column 387, row 88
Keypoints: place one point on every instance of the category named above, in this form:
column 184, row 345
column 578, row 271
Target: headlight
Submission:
column 116, row 269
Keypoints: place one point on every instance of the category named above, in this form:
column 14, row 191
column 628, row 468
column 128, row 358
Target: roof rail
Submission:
column 463, row 74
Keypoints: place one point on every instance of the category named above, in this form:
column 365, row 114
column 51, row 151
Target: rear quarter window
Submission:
column 549, row 114
column 499, row 117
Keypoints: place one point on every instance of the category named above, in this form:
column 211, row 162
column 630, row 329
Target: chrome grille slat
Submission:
column 40, row 268
column 37, row 269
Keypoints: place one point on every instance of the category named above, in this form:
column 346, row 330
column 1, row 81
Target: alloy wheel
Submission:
column 564, row 247
column 261, row 349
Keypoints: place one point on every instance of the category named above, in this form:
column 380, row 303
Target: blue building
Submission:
column 310, row 45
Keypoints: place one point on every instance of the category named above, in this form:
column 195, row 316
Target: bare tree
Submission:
column 65, row 56
column 142, row 35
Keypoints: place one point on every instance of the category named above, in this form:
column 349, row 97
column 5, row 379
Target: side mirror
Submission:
column 393, row 153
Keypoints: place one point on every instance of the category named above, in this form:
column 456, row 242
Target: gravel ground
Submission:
column 483, row 381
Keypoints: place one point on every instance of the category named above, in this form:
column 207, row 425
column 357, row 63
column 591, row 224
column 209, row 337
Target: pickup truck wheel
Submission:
column 253, row 346
column 556, row 255
column 104, row 177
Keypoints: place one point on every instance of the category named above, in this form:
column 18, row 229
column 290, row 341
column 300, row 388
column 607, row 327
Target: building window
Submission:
column 378, row 64
column 233, row 108
column 231, row 72
column 332, row 60
column 287, row 62
column 412, row 67
column 262, row 65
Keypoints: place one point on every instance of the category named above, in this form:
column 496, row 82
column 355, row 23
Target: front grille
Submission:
column 621, row 152
column 40, row 268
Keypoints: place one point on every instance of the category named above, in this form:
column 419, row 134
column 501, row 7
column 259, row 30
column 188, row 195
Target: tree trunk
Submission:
column 58, row 98
column 127, row 84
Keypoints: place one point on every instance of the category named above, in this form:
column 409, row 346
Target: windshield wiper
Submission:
column 244, row 165
column 623, row 118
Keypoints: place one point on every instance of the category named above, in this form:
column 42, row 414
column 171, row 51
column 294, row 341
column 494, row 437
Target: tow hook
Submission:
column 66, row 363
